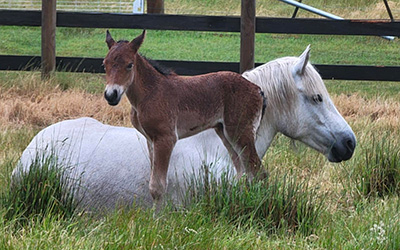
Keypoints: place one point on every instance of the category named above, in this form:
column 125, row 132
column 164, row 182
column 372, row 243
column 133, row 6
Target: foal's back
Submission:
column 204, row 101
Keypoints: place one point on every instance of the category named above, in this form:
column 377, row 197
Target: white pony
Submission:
column 113, row 166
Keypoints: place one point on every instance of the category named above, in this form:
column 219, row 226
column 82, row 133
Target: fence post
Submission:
column 155, row 6
column 49, row 14
column 247, row 34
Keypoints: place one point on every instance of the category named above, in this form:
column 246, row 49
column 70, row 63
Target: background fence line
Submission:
column 206, row 23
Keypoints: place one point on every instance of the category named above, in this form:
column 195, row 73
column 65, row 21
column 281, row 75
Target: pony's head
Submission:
column 299, row 106
column 119, row 66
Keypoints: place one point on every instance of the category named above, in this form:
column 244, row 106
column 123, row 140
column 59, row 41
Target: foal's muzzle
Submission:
column 343, row 149
column 113, row 94
column 113, row 98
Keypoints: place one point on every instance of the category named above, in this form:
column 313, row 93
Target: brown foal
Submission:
column 167, row 107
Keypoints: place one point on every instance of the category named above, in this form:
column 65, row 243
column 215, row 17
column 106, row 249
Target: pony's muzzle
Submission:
column 343, row 149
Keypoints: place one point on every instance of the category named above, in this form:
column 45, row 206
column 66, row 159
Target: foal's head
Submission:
column 118, row 65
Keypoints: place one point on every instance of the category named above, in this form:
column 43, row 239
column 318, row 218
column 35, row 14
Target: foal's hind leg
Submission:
column 234, row 156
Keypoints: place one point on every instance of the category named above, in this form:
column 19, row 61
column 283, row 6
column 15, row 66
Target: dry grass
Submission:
column 42, row 104
column 376, row 11
column 43, row 110
column 38, row 105
column 377, row 112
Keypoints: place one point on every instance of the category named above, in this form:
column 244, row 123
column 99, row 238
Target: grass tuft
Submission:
column 274, row 204
column 380, row 174
column 40, row 191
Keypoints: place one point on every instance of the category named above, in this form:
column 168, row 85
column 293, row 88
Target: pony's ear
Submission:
column 135, row 43
column 109, row 40
column 302, row 61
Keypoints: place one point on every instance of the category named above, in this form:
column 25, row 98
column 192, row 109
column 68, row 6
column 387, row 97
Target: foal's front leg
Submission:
column 162, row 148
column 151, row 152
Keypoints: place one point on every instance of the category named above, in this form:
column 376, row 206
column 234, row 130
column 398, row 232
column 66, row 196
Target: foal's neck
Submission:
column 145, row 79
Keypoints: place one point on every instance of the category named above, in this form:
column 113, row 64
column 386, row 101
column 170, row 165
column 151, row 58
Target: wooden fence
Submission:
column 205, row 23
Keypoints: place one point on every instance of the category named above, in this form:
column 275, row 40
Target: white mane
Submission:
column 276, row 80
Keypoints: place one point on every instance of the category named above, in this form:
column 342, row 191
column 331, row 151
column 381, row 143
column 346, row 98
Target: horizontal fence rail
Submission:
column 205, row 23
column 94, row 65
column 120, row 6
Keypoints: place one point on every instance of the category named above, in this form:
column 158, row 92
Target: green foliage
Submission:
column 379, row 174
column 42, row 190
column 276, row 203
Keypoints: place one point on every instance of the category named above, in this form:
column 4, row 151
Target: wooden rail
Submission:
column 94, row 65
column 205, row 23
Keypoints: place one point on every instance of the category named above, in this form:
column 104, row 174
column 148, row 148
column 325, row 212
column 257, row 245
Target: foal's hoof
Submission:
column 157, row 208
column 263, row 175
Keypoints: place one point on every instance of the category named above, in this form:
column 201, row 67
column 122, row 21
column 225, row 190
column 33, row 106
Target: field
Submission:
column 356, row 202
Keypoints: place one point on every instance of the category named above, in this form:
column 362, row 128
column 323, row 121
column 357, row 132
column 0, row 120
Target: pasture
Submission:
column 356, row 203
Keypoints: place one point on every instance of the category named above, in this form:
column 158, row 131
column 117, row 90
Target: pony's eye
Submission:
column 317, row 98
column 129, row 67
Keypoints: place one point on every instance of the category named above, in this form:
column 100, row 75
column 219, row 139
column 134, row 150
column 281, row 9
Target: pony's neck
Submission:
column 265, row 134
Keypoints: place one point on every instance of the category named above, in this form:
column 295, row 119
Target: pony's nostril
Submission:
column 350, row 144
column 343, row 150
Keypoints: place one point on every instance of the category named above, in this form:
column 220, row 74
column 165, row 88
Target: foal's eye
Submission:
column 317, row 98
column 129, row 67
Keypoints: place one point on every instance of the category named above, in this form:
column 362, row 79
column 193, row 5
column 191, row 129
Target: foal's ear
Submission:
column 109, row 40
column 135, row 43
column 301, row 64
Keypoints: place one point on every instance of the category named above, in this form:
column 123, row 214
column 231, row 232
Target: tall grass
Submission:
column 379, row 174
column 41, row 190
column 278, row 203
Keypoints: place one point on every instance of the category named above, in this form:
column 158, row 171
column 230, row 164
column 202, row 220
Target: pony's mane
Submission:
column 156, row 65
column 276, row 79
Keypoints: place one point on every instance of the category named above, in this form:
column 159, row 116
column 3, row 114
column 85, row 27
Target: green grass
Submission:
column 42, row 191
column 207, row 46
column 278, row 203
column 349, row 216
column 379, row 173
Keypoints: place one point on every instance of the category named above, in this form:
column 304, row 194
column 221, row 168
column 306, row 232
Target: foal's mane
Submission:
column 160, row 68
column 156, row 65
column 276, row 79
